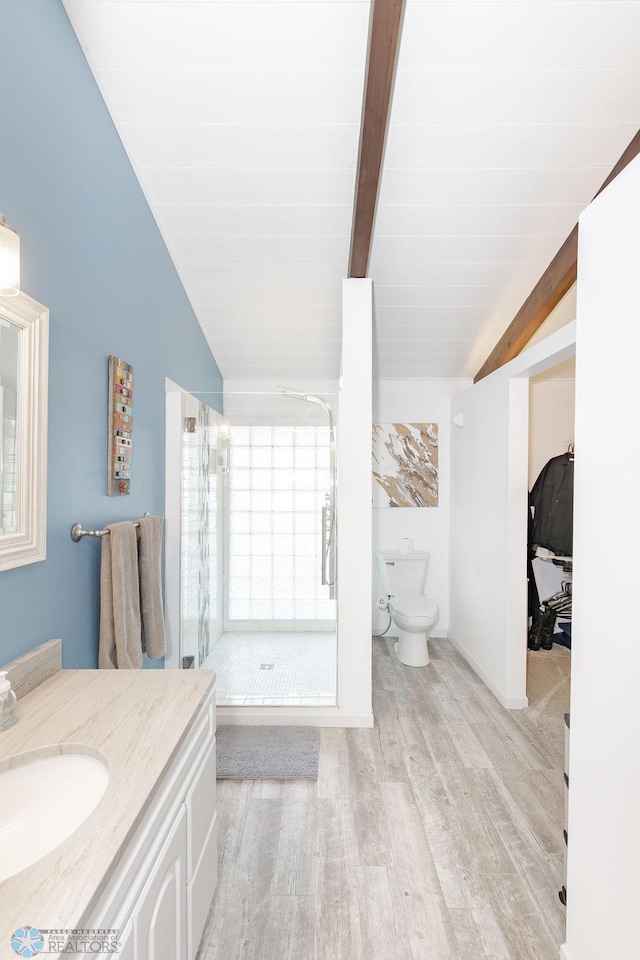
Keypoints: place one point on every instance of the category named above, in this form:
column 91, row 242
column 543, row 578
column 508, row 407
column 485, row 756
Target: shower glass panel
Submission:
column 277, row 645
column 201, row 595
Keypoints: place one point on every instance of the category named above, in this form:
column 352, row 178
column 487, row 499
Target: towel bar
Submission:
column 78, row 532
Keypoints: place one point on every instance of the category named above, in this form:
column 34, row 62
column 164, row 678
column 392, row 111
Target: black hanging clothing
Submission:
column 533, row 597
column 552, row 501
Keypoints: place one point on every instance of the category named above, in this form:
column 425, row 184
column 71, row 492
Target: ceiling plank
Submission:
column 384, row 34
column 557, row 279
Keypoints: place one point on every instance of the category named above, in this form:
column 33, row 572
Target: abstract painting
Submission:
column 405, row 465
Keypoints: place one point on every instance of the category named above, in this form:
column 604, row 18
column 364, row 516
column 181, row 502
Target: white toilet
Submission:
column 403, row 577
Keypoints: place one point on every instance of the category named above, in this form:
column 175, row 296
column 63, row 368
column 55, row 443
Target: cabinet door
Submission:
column 201, row 890
column 125, row 944
column 161, row 912
column 202, row 863
column 201, row 811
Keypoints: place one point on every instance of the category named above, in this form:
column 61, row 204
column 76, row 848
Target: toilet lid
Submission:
column 412, row 606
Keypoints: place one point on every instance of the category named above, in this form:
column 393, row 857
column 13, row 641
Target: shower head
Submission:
column 309, row 398
column 294, row 394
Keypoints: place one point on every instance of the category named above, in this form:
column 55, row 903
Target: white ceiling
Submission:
column 241, row 118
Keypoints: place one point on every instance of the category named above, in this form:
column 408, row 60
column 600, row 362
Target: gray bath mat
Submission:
column 267, row 753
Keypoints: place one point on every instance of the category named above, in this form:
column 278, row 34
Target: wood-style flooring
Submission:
column 437, row 835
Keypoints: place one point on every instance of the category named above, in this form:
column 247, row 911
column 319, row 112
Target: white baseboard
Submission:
column 564, row 953
column 511, row 703
column 279, row 626
column 392, row 634
column 292, row 717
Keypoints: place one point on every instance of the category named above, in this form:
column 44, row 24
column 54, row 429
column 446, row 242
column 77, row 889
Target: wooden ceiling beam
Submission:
column 384, row 34
column 557, row 279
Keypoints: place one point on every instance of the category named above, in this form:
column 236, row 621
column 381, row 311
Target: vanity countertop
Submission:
column 135, row 721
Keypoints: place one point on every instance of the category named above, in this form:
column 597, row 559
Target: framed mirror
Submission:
column 24, row 341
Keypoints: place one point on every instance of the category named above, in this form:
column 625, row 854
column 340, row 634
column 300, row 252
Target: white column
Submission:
column 354, row 506
column 603, row 916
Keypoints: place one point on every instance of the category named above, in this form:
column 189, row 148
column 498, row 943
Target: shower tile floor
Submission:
column 275, row 669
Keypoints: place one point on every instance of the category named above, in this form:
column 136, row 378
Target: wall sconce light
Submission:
column 9, row 260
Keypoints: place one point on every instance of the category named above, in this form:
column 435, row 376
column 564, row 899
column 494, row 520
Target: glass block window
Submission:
column 279, row 476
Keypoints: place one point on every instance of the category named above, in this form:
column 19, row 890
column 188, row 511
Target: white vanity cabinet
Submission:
column 159, row 894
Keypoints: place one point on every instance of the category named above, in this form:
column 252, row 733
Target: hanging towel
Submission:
column 150, row 568
column 120, row 629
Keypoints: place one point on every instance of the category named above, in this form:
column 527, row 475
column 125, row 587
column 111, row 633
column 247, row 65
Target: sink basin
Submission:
column 42, row 802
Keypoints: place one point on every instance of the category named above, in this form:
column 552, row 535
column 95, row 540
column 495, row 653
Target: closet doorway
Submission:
column 551, row 458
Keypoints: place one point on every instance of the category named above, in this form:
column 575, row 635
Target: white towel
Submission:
column 120, row 644
column 150, row 571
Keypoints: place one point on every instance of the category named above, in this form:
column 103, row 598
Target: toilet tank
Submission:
column 403, row 572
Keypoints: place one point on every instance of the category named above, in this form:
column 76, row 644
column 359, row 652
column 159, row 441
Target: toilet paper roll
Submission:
column 406, row 545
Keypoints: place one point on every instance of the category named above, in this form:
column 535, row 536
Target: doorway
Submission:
column 551, row 437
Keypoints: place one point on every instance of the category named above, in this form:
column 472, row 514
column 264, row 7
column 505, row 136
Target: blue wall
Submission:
column 92, row 253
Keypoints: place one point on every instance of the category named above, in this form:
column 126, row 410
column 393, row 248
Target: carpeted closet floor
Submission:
column 548, row 685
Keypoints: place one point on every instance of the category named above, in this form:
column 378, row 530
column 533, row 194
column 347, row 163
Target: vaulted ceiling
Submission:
column 242, row 119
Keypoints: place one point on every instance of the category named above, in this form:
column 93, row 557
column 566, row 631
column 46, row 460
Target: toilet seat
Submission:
column 417, row 607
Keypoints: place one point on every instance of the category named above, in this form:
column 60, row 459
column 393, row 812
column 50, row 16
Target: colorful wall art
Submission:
column 405, row 465
column 120, row 427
